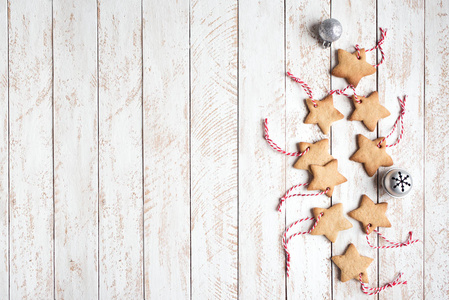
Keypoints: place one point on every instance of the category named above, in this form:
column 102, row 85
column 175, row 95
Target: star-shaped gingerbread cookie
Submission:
column 352, row 264
column 331, row 222
column 371, row 213
column 323, row 114
column 318, row 154
column 370, row 155
column 326, row 177
column 352, row 68
column 369, row 111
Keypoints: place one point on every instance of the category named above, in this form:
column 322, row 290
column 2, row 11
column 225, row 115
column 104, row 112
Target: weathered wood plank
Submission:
column 214, row 149
column 120, row 150
column 75, row 142
column 261, row 170
column 31, row 150
column 436, row 158
column 403, row 73
column 310, row 275
column 436, row 176
column 166, row 144
column 358, row 19
column 4, row 154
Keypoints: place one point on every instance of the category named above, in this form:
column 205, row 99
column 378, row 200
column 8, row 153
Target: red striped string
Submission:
column 379, row 45
column 308, row 90
column 399, row 119
column 343, row 92
column 275, row 147
column 375, row 291
column 393, row 244
column 287, row 195
column 305, row 86
column 286, row 240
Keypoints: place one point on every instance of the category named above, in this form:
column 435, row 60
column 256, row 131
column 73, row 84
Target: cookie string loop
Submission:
column 275, row 147
column 286, row 240
column 305, row 86
column 399, row 119
column 383, row 34
column 409, row 241
column 343, row 92
column 374, row 291
column 289, row 195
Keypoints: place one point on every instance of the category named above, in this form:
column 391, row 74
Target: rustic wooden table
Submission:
column 132, row 157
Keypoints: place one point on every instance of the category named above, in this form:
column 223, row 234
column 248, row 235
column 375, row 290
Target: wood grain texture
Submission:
column 358, row 28
column 120, row 150
column 306, row 59
column 261, row 170
column 214, row 105
column 403, row 73
column 166, row 144
column 4, row 154
column 436, row 150
column 132, row 157
column 76, row 152
column 31, row 150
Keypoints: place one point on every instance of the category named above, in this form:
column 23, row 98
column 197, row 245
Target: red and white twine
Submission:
column 308, row 90
column 383, row 33
column 343, row 92
column 305, row 86
column 275, row 147
column 286, row 240
column 409, row 241
column 399, row 119
column 374, row 291
column 288, row 195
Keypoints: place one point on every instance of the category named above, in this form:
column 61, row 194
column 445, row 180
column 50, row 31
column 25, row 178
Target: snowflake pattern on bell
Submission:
column 401, row 181
column 397, row 182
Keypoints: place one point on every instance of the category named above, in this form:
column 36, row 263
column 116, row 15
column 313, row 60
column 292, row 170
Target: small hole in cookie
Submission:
column 315, row 105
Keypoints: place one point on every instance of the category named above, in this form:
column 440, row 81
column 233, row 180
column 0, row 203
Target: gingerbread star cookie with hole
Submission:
column 352, row 264
column 318, row 154
column 326, row 177
column 351, row 67
column 370, row 213
column 370, row 155
column 322, row 113
column 332, row 221
column 368, row 110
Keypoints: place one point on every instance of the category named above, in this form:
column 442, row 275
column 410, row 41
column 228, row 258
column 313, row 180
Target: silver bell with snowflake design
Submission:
column 397, row 182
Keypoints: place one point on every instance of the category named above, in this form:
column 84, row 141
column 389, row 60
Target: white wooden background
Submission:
column 132, row 158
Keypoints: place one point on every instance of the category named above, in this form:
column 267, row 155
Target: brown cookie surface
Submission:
column 370, row 213
column 324, row 114
column 351, row 264
column 331, row 222
column 318, row 154
column 371, row 156
column 326, row 176
column 352, row 68
column 369, row 111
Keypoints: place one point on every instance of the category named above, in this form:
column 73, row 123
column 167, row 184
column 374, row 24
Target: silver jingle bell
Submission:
column 330, row 30
column 397, row 182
